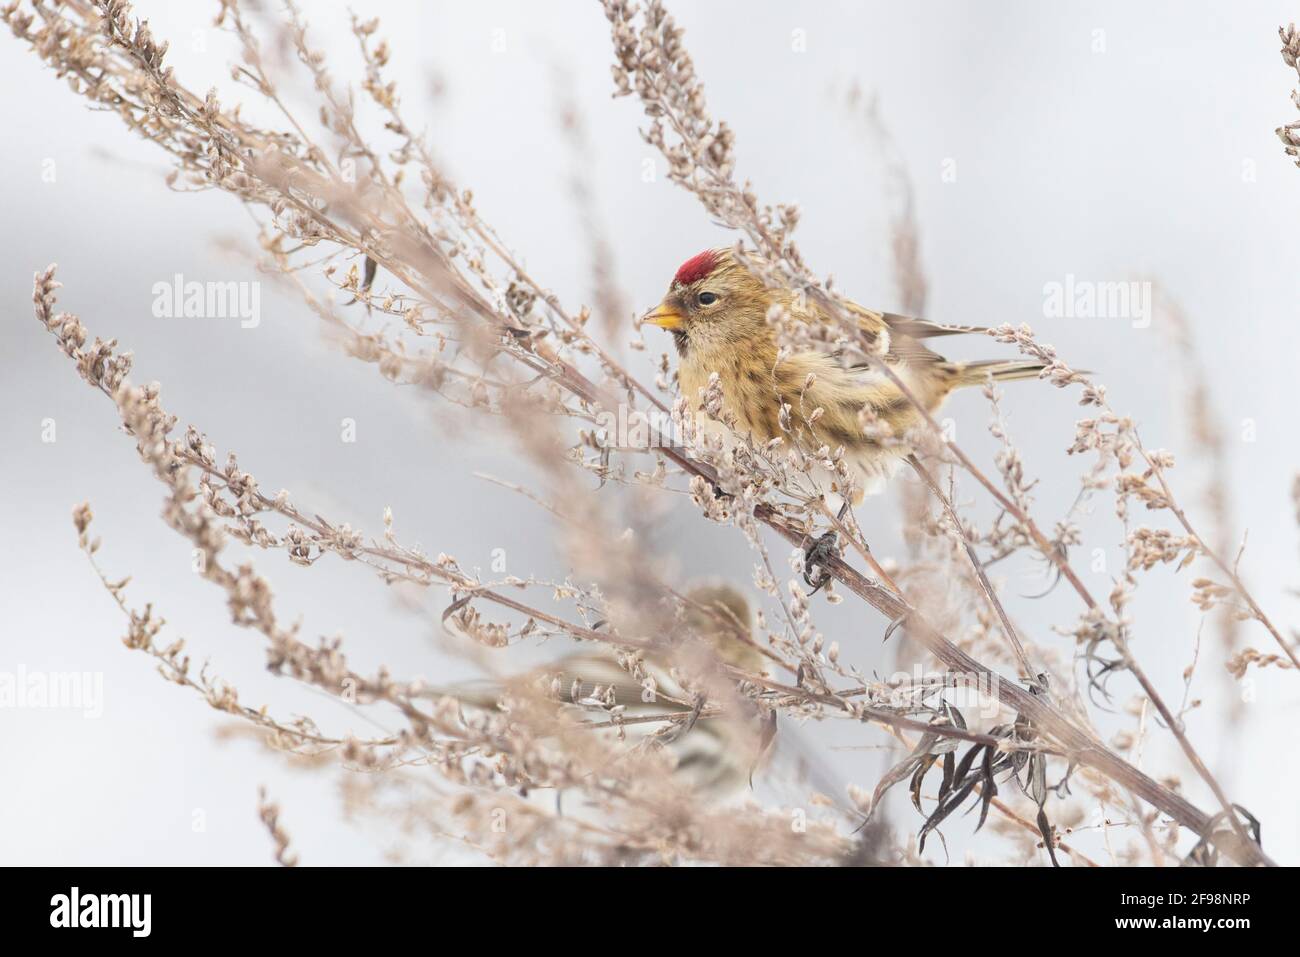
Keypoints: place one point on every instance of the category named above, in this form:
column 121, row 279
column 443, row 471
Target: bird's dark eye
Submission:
column 707, row 298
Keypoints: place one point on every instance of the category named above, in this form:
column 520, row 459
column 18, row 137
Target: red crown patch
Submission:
column 696, row 268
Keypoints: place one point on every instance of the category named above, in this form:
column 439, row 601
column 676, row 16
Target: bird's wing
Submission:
column 592, row 672
column 868, row 320
column 579, row 677
column 905, row 333
column 923, row 328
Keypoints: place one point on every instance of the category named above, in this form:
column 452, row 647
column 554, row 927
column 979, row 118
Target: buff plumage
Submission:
column 717, row 311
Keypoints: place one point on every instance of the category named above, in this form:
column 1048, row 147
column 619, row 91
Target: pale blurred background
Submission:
column 1110, row 141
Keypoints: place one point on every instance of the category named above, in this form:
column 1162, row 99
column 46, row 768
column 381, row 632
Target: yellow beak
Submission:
column 665, row 317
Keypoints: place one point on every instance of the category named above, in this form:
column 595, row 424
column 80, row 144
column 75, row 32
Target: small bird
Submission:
column 716, row 755
column 717, row 311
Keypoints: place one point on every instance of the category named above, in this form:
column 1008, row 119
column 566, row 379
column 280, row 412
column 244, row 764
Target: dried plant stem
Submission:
column 1229, row 571
column 1081, row 746
column 427, row 570
column 549, row 365
column 978, row 567
column 269, row 812
column 740, row 210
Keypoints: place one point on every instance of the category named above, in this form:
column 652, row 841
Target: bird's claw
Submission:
column 816, row 559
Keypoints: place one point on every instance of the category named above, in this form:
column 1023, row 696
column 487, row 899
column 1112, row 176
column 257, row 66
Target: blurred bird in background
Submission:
column 718, row 313
column 718, row 739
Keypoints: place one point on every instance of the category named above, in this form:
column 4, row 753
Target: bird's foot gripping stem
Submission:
column 817, row 557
